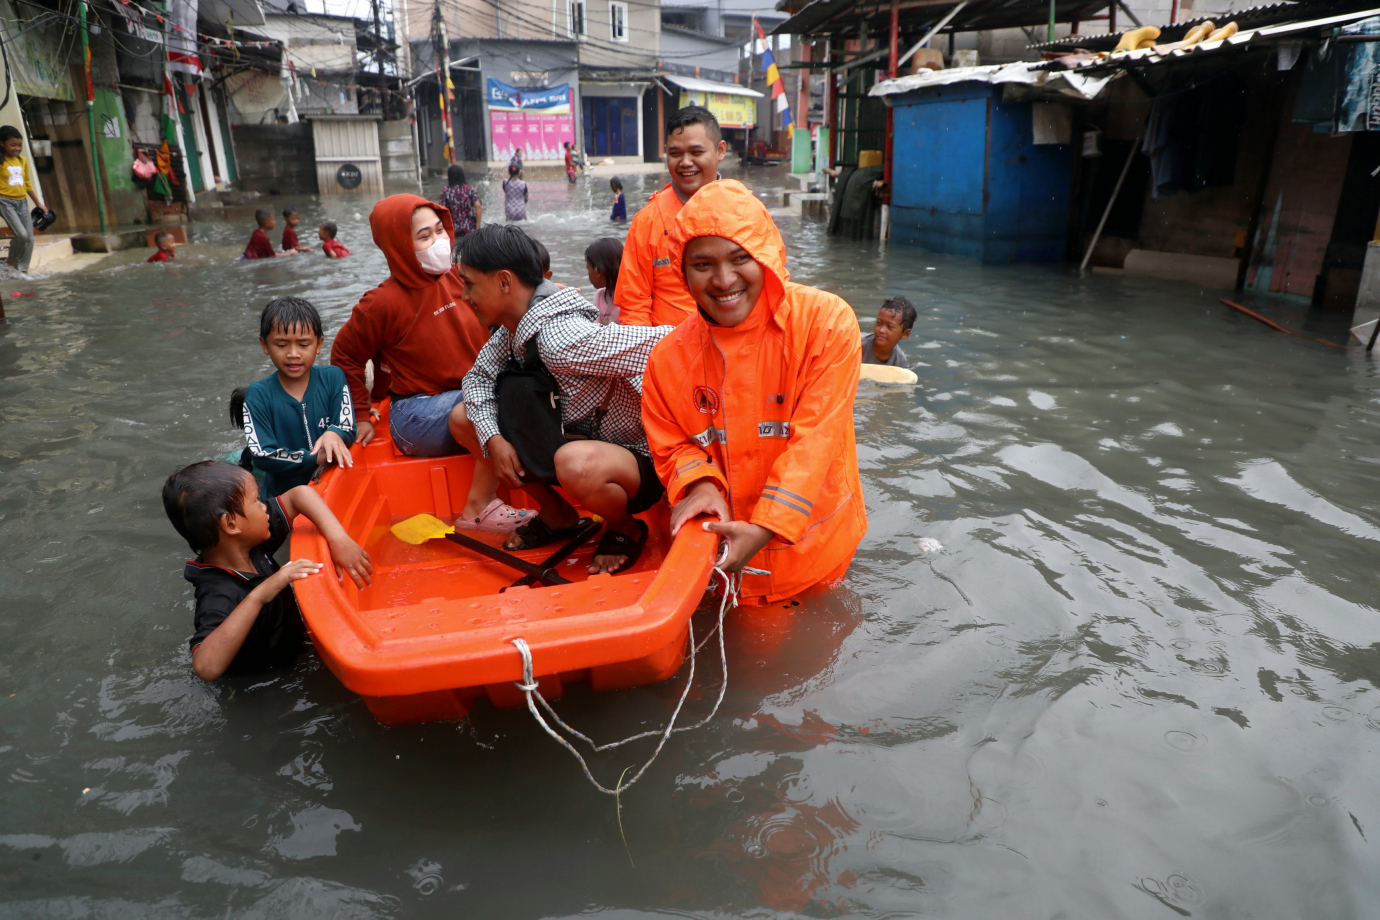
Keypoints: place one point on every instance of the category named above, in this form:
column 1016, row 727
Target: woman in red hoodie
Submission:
column 417, row 325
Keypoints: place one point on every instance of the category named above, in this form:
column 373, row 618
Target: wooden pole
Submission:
column 831, row 104
column 1135, row 147
column 893, row 53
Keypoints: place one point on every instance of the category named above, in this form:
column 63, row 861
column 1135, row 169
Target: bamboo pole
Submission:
column 91, row 114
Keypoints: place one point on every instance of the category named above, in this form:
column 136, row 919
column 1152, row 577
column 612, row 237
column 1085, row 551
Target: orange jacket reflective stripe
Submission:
column 764, row 409
column 651, row 291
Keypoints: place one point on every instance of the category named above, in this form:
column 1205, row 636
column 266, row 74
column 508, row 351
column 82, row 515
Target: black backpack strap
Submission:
column 532, row 355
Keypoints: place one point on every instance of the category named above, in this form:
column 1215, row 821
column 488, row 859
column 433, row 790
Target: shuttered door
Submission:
column 347, row 155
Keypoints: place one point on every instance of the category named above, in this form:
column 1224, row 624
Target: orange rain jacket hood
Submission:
column 763, row 409
column 414, row 321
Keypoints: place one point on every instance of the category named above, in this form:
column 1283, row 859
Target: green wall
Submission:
column 117, row 159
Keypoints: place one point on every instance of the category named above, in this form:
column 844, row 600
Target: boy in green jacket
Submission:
column 302, row 416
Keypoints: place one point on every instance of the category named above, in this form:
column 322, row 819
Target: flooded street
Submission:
column 1138, row 680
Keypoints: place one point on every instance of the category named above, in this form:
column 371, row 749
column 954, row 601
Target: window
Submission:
column 618, row 22
column 575, row 18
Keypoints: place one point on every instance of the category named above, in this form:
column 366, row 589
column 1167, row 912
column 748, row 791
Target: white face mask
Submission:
column 435, row 260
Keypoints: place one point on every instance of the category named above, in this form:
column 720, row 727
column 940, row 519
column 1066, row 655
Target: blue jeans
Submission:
column 420, row 424
column 15, row 212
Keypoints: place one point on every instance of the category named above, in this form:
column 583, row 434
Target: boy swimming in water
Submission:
column 748, row 404
column 894, row 322
column 333, row 248
column 300, row 417
column 167, row 247
column 246, row 618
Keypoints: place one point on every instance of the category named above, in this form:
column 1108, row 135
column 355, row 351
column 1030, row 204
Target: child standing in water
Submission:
column 302, row 416
column 290, row 221
column 247, row 617
column 514, row 194
column 569, row 161
column 460, row 198
column 894, row 322
column 620, row 207
column 260, row 246
column 17, row 185
column 602, row 259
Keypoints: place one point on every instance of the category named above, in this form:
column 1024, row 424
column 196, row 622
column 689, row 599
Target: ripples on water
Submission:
column 1137, row 680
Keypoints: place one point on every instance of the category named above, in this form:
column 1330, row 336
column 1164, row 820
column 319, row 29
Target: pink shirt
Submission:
column 608, row 311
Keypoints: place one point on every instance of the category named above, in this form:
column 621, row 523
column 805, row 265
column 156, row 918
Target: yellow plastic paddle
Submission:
column 420, row 528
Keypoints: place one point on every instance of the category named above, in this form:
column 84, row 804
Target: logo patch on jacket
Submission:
column 773, row 429
column 706, row 400
column 661, row 263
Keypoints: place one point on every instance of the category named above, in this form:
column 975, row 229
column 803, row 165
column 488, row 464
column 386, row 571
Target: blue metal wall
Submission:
column 967, row 178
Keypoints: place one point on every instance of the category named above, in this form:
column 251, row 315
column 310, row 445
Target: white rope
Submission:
column 529, row 686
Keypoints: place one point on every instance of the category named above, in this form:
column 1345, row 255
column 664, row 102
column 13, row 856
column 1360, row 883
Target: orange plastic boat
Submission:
column 432, row 634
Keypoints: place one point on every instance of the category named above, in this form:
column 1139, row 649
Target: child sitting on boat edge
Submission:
column 548, row 343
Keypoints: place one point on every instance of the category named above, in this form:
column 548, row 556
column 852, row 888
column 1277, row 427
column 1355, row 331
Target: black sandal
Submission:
column 537, row 532
column 613, row 543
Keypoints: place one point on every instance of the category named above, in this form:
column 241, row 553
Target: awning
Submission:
column 696, row 85
column 1064, row 83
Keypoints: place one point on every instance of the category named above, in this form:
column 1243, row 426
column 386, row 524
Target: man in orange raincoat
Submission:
column 748, row 404
column 651, row 290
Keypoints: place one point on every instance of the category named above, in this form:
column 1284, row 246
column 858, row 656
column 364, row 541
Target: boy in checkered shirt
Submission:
column 598, row 370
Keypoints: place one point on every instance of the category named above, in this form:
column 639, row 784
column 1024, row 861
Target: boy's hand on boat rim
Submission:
column 364, row 432
column 330, row 448
column 703, row 497
column 507, row 466
column 350, row 557
column 743, row 541
column 295, row 570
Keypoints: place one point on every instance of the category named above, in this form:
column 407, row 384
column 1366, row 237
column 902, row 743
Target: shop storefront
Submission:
column 734, row 106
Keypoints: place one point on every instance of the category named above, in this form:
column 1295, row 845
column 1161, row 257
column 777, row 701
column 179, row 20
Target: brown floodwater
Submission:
column 1138, row 680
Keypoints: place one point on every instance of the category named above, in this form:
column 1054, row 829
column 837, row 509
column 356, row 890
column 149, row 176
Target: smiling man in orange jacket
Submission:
column 748, row 404
column 651, row 291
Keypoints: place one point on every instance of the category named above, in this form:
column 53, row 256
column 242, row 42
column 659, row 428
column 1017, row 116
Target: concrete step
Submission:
column 806, row 204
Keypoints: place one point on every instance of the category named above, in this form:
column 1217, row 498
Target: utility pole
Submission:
column 378, row 56
column 91, row 113
column 440, row 43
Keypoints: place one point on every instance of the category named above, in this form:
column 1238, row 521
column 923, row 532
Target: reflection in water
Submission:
column 1134, row 672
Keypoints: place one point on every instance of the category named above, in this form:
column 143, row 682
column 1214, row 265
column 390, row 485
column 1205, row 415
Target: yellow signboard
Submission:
column 731, row 111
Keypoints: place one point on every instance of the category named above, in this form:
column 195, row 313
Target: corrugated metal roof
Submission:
column 1241, row 41
column 1062, row 83
column 1249, row 18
